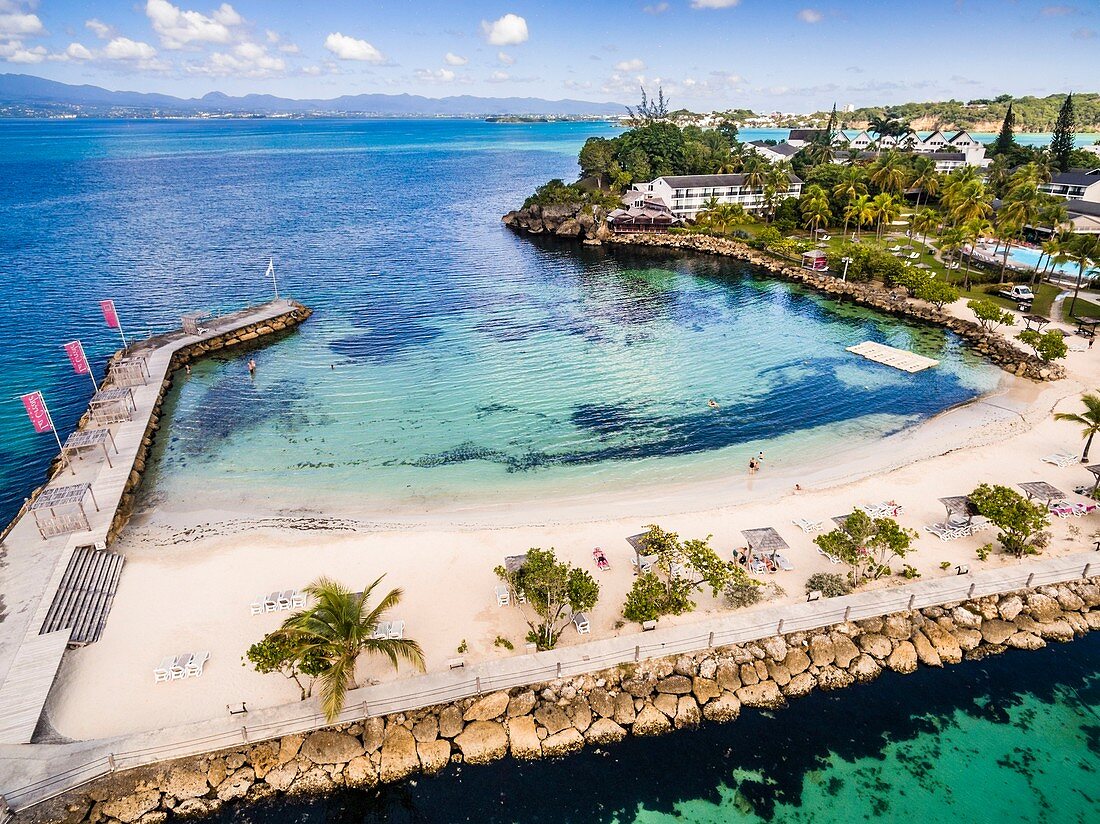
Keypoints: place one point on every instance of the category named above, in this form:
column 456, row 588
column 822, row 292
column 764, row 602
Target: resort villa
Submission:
column 1076, row 184
column 773, row 153
column 685, row 195
column 642, row 212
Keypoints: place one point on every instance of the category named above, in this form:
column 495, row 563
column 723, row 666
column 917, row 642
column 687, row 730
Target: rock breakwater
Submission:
column 562, row 716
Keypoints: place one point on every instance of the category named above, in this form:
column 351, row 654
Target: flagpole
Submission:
column 271, row 271
column 49, row 417
column 88, row 366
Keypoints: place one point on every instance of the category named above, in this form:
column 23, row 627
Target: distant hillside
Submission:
column 1033, row 114
column 23, row 95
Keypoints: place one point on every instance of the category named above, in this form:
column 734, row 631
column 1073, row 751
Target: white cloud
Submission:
column 635, row 65
column 655, row 8
column 438, row 76
column 505, row 58
column 509, row 30
column 15, row 52
column 714, row 4
column 499, row 77
column 810, row 16
column 312, row 71
column 178, row 28
column 246, row 60
column 452, row 59
column 350, row 48
column 77, row 52
column 123, row 48
column 272, row 36
column 98, row 28
column 289, row 48
column 21, row 25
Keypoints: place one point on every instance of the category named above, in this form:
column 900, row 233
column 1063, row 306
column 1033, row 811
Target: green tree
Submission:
column 867, row 544
column 595, row 159
column 1021, row 523
column 337, row 628
column 990, row 315
column 278, row 652
column 649, row 111
column 937, row 292
column 554, row 591
column 1047, row 346
column 680, row 567
column 1089, row 421
column 888, row 173
column 925, row 177
column 887, row 209
column 923, row 222
column 1006, row 140
column 1065, row 129
column 814, row 207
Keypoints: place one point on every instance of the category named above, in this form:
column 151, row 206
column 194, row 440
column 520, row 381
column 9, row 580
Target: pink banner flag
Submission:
column 76, row 357
column 37, row 412
column 109, row 313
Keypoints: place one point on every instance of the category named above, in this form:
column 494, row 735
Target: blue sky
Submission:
column 760, row 54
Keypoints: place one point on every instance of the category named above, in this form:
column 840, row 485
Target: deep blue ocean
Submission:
column 449, row 356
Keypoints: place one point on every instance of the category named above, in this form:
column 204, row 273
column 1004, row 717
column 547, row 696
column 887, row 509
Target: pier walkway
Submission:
column 33, row 566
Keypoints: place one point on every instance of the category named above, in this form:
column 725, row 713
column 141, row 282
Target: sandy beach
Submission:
column 191, row 573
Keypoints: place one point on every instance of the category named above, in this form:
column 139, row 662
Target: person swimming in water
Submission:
column 713, row 404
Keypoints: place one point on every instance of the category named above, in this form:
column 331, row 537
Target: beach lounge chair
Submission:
column 196, row 664
column 580, row 621
column 503, row 596
column 396, row 630
column 164, row 671
column 520, row 597
column 757, row 566
column 782, row 562
column 807, row 526
column 257, row 606
column 913, row 255
column 1061, row 509
column 180, row 665
column 832, row 559
column 1061, row 459
column 601, row 559
column 283, row 599
column 382, row 630
column 895, row 248
column 271, row 602
column 298, row 600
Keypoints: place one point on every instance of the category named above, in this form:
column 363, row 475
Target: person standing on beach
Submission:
column 752, row 466
column 759, row 459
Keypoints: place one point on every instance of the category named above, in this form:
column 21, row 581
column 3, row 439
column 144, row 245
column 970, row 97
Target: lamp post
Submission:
column 844, row 277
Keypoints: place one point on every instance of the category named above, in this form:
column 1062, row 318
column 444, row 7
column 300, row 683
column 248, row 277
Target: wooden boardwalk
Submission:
column 33, row 568
column 890, row 356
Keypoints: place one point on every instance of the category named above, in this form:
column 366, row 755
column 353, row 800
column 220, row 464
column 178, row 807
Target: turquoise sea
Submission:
column 449, row 360
column 1013, row 738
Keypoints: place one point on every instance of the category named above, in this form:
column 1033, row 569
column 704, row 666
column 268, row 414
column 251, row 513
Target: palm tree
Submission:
column 1081, row 249
column 1000, row 171
column 886, row 208
column 1089, row 421
column 338, row 627
column 974, row 228
column 888, row 173
column 924, row 222
column 815, row 208
column 925, row 178
column 951, row 241
column 777, row 182
column 848, row 188
column 861, row 212
column 969, row 202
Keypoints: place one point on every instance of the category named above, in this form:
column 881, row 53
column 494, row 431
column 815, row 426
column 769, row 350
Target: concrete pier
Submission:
column 33, row 565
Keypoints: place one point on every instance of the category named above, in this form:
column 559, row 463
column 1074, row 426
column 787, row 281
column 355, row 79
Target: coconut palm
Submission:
column 849, row 187
column 1082, row 250
column 951, row 241
column 887, row 209
column 1000, row 171
column 969, row 202
column 1089, row 421
column 815, row 208
column 338, row 627
column 888, row 173
column 974, row 228
column 860, row 212
column 925, row 178
column 923, row 222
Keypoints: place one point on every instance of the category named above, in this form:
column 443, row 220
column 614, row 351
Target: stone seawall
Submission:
column 994, row 347
column 560, row 717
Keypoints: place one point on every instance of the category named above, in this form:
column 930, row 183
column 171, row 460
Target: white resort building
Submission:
column 773, row 153
column 1076, row 184
column 686, row 194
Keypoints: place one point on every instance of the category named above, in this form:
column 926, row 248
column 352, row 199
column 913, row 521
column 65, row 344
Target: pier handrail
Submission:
column 95, row 759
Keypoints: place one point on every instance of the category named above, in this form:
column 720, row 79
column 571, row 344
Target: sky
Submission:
column 766, row 55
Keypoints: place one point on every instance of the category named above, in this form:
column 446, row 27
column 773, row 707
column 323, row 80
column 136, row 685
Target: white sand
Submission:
column 190, row 575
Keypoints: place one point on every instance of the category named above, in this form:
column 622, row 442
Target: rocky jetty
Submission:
column 560, row 717
column 569, row 220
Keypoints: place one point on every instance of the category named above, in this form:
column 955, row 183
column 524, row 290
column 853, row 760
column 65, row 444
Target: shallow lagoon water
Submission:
column 449, row 360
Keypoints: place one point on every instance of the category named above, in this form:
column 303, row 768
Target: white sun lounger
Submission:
column 179, row 667
column 782, row 562
column 832, row 559
column 807, row 526
column 282, row 600
column 396, row 630
column 1061, row 459
column 271, row 602
column 298, row 600
column 257, row 606
column 503, row 596
column 164, row 671
column 580, row 621
column 197, row 662
column 382, row 630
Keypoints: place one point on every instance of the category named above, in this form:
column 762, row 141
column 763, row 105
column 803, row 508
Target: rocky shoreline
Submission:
column 566, row 222
column 561, row 717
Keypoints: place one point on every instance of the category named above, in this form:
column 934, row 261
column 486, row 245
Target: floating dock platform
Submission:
column 889, row 356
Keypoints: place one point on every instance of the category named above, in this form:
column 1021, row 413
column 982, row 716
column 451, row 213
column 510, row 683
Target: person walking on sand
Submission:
column 752, row 466
column 759, row 459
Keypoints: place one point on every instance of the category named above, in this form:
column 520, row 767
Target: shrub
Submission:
column 829, row 584
column 945, row 565
column 984, row 551
column 1021, row 522
column 743, row 593
column 909, row 571
column 990, row 315
column 1047, row 346
column 501, row 641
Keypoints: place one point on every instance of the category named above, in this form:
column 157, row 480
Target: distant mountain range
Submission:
column 23, row 95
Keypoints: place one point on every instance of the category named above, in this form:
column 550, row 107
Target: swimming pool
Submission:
column 1030, row 257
